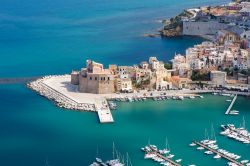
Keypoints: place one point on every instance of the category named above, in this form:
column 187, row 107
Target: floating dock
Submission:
column 216, row 152
column 231, row 105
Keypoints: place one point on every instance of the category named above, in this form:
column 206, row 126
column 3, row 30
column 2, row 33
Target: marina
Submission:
column 151, row 152
column 117, row 160
column 212, row 148
column 240, row 134
column 81, row 127
column 114, row 162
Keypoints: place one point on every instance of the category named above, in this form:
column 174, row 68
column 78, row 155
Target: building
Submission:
column 144, row 65
column 123, row 85
column 155, row 64
column 180, row 82
column 163, row 85
column 218, row 78
column 94, row 79
column 228, row 37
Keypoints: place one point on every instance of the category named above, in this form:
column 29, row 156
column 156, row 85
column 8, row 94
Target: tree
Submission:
column 168, row 66
column 197, row 76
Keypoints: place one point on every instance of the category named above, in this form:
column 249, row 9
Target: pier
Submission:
column 103, row 111
column 216, row 152
column 165, row 158
column 238, row 134
column 231, row 105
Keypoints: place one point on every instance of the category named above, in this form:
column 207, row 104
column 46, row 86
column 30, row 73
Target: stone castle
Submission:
column 93, row 79
column 147, row 75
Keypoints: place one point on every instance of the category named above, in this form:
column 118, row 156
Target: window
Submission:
column 95, row 78
column 108, row 78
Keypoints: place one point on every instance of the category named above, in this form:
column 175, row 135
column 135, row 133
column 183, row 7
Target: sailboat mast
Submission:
column 166, row 143
column 127, row 159
column 212, row 132
column 206, row 134
column 113, row 150
column 244, row 123
column 97, row 152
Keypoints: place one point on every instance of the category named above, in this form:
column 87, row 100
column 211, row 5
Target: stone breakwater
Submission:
column 60, row 99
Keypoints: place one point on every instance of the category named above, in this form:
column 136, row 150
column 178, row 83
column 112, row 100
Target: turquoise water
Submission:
column 34, row 130
column 54, row 37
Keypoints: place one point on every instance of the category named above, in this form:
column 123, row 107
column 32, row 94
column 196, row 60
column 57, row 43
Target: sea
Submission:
column 55, row 37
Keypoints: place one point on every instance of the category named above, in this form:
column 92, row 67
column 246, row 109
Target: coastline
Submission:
column 57, row 88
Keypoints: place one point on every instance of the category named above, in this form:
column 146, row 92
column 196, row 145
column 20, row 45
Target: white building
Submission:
column 155, row 64
column 163, row 85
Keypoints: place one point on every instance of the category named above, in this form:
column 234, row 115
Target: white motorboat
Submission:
column 244, row 161
column 200, row 148
column 217, row 156
column 192, row 144
column 178, row 160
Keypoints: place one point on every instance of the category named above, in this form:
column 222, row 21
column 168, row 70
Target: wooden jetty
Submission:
column 216, row 152
column 231, row 105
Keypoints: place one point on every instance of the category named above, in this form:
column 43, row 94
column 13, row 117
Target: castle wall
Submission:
column 75, row 78
column 202, row 28
column 96, row 83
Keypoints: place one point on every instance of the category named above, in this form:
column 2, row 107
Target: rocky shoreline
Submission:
column 174, row 26
column 59, row 99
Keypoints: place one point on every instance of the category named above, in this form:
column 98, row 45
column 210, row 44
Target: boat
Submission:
column 244, row 161
column 217, row 156
column 170, row 156
column 208, row 152
column 181, row 98
column 200, row 148
column 178, row 160
column 192, row 144
column 167, row 148
column 234, row 112
column 98, row 160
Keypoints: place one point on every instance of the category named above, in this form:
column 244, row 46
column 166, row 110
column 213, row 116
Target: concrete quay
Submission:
column 103, row 111
column 65, row 95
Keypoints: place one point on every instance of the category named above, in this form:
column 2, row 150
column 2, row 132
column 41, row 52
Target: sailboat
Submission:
column 213, row 137
column 167, row 148
column 243, row 123
column 128, row 163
